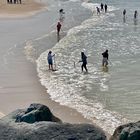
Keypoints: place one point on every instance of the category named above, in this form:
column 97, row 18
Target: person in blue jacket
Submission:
column 50, row 60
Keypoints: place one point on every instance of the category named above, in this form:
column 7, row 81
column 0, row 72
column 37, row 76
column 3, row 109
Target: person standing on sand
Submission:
column 105, row 58
column 84, row 61
column 58, row 28
column 50, row 60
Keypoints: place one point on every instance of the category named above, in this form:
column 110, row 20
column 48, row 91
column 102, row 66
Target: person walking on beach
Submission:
column 58, row 28
column 102, row 6
column 50, row 60
column 124, row 13
column 105, row 58
column 135, row 14
column 105, row 8
column 84, row 61
column 62, row 13
column 98, row 10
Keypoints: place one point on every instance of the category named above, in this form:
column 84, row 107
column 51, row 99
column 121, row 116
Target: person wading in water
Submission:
column 105, row 58
column 84, row 61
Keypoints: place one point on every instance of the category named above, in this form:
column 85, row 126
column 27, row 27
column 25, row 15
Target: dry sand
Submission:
column 27, row 8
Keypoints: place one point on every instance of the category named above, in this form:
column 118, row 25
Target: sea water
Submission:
column 107, row 96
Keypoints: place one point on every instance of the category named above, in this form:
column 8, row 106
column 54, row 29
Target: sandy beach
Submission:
column 27, row 8
column 37, row 92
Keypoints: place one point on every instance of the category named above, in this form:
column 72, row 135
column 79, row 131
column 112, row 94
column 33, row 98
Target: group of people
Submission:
column 83, row 60
column 135, row 13
column 14, row 1
column 103, row 7
column 83, row 56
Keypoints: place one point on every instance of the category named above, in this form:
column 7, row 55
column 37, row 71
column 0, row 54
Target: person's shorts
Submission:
column 105, row 61
column 50, row 62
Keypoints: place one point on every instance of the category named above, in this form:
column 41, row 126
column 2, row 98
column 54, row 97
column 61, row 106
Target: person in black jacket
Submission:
column 105, row 58
column 84, row 61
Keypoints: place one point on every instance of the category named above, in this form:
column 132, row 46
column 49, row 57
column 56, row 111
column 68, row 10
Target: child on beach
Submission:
column 98, row 10
column 50, row 60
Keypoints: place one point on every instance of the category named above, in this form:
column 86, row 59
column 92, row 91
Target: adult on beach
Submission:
column 105, row 58
column 105, row 8
column 135, row 14
column 102, row 6
column 84, row 62
column 50, row 60
column 124, row 13
column 58, row 28
column 62, row 13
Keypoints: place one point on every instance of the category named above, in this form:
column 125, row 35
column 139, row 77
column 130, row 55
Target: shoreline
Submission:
column 65, row 113
column 73, row 116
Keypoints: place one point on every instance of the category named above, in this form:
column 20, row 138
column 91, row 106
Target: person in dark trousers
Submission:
column 105, row 8
column 84, row 62
column 102, row 6
column 105, row 58
column 58, row 28
column 50, row 60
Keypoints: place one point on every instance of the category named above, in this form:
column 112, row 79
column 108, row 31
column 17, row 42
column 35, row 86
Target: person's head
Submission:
column 82, row 54
column 61, row 10
column 106, row 50
column 58, row 23
column 50, row 52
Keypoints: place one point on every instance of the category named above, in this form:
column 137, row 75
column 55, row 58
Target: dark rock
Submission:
column 46, row 130
column 36, row 113
column 130, row 131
